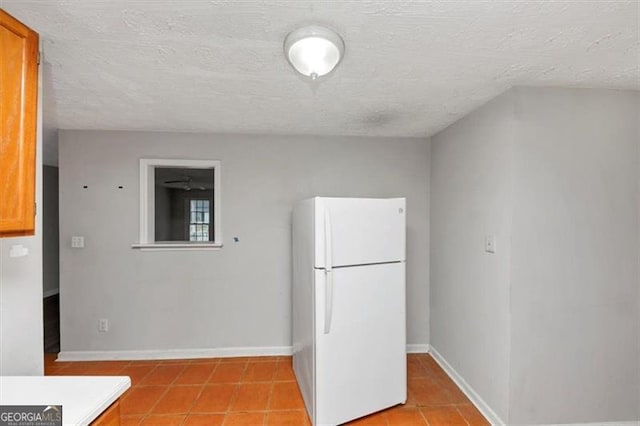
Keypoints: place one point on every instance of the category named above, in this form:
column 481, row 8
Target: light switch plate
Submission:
column 490, row 243
column 18, row 251
column 77, row 242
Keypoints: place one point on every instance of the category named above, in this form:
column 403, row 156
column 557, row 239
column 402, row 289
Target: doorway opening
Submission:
column 50, row 260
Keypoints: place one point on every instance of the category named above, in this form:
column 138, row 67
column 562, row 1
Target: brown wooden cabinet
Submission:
column 110, row 417
column 18, row 120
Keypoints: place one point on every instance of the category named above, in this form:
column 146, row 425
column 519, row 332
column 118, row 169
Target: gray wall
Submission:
column 554, row 173
column 239, row 296
column 21, row 344
column 471, row 188
column 575, row 283
column 50, row 231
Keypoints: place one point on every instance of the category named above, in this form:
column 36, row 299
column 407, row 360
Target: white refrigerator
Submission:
column 349, row 315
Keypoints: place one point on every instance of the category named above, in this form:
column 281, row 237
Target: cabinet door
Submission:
column 18, row 116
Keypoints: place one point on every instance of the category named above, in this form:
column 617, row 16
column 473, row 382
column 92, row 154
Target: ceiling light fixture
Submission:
column 313, row 51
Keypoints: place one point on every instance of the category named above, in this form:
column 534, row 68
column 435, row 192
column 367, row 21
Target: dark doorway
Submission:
column 50, row 259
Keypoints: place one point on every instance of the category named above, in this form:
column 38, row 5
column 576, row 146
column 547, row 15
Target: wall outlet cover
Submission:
column 103, row 325
column 490, row 243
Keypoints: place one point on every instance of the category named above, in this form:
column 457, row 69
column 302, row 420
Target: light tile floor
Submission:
column 259, row 391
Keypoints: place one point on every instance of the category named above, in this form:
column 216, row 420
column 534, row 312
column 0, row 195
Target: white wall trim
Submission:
column 173, row 353
column 176, row 247
column 194, row 353
column 417, row 348
column 473, row 396
column 50, row 292
column 147, row 197
column 624, row 423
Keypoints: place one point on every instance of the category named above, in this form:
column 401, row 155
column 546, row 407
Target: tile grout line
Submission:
column 235, row 393
column 273, row 376
column 143, row 415
column 166, row 391
column 424, row 417
column 204, row 385
column 199, row 392
column 463, row 416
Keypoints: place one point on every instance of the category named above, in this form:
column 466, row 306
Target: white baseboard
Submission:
column 625, row 423
column 486, row 410
column 193, row 353
column 173, row 354
column 50, row 293
column 417, row 348
column 480, row 404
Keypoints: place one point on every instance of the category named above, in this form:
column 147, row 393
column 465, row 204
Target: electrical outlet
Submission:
column 103, row 325
column 490, row 243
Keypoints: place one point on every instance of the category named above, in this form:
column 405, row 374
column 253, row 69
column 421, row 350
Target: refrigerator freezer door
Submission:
column 361, row 362
column 360, row 231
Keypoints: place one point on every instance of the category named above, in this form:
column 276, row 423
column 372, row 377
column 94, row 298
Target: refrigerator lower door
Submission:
column 361, row 360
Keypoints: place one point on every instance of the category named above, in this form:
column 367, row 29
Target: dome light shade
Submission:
column 313, row 51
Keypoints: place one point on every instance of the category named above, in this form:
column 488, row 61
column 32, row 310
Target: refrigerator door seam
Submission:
column 362, row 264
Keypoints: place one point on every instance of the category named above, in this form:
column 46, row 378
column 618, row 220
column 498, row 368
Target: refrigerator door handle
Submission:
column 328, row 256
column 328, row 301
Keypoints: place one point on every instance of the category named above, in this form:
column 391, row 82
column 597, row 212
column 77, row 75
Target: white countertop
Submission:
column 83, row 398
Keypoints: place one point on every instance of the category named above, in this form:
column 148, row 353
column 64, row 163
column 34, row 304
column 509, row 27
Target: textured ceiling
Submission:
column 410, row 69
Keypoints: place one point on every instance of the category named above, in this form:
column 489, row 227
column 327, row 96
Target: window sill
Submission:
column 176, row 246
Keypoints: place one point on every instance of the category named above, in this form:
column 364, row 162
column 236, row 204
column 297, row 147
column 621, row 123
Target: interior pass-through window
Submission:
column 180, row 203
